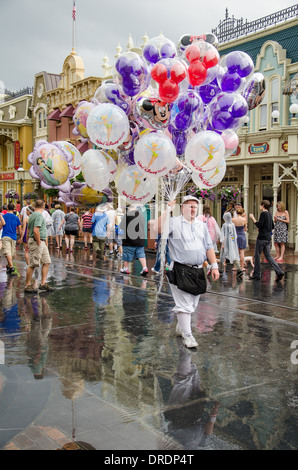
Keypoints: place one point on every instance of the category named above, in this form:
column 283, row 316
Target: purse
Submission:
column 188, row 278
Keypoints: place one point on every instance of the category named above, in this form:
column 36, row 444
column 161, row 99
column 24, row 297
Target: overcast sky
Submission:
column 36, row 35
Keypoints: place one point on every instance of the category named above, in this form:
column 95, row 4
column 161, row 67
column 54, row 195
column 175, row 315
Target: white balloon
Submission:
column 155, row 154
column 204, row 151
column 210, row 178
column 95, row 169
column 136, row 186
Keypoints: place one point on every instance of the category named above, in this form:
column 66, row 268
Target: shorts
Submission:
column 8, row 246
column 131, row 252
column 111, row 236
column 71, row 232
column 38, row 255
column 87, row 229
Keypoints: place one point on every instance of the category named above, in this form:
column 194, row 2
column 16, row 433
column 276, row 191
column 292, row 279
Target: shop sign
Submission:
column 284, row 146
column 255, row 149
column 237, row 152
column 17, row 154
column 6, row 176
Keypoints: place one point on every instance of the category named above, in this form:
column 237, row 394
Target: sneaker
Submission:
column 279, row 276
column 11, row 271
column 124, row 270
column 154, row 271
column 45, row 288
column 30, row 290
column 189, row 341
column 179, row 331
column 144, row 272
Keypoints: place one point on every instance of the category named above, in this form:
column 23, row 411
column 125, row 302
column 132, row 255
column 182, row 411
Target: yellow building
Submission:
column 15, row 143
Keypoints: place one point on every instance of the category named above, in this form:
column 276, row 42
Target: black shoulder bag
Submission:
column 188, row 278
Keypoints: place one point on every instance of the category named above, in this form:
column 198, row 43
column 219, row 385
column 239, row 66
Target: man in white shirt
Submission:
column 189, row 243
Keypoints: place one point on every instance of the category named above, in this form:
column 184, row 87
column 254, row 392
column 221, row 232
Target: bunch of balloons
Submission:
column 174, row 103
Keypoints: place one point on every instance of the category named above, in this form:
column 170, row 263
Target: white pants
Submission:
column 184, row 302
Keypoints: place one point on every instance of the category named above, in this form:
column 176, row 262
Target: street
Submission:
column 96, row 363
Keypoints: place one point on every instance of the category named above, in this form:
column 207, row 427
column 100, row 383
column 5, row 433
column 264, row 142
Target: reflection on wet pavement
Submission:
column 96, row 364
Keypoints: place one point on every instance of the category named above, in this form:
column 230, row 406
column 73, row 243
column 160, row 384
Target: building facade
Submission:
column 265, row 164
column 15, row 143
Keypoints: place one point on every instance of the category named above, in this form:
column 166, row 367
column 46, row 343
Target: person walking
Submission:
column 100, row 230
column 24, row 235
column 38, row 250
column 72, row 226
column 189, row 244
column 11, row 228
column 263, row 242
column 111, row 213
column 57, row 217
column 240, row 223
column 133, row 241
column 86, row 224
column 2, row 222
column 281, row 237
column 229, row 247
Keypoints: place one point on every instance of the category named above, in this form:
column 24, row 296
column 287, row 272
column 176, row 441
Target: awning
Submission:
column 54, row 115
column 68, row 111
column 82, row 147
column 291, row 87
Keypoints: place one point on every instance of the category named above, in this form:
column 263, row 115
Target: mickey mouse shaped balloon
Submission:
column 168, row 73
column 159, row 48
column 132, row 73
column 201, row 56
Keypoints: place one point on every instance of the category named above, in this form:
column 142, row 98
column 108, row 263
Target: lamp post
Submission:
column 21, row 175
column 294, row 109
column 275, row 115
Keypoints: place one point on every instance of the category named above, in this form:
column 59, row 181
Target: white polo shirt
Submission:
column 188, row 242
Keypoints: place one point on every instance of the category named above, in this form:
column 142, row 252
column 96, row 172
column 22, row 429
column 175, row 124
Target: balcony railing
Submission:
column 11, row 95
column 231, row 28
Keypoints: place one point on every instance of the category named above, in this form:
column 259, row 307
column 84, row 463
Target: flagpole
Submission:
column 73, row 25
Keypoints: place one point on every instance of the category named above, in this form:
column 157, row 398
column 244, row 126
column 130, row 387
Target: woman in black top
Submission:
column 263, row 242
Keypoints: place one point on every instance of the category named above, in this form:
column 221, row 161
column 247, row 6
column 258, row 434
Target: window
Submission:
column 263, row 113
column 270, row 103
column 274, row 105
column 42, row 121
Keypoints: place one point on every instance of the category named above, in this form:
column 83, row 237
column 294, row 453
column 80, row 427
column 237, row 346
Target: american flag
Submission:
column 74, row 11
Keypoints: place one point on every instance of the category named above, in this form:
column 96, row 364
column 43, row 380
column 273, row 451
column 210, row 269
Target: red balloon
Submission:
column 210, row 59
column 192, row 53
column 159, row 73
column 197, row 73
column 178, row 73
column 168, row 91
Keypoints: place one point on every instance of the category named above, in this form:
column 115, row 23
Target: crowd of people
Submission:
column 193, row 243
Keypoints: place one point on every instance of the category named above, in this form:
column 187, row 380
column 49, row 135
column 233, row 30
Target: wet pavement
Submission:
column 96, row 363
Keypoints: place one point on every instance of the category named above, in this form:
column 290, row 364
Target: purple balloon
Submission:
column 239, row 109
column 208, row 92
column 225, row 100
column 183, row 120
column 167, row 50
column 151, row 53
column 230, row 81
column 240, row 62
column 179, row 139
column 222, row 120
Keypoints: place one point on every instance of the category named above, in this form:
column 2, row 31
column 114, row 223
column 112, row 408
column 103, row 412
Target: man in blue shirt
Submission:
column 100, row 230
column 9, row 237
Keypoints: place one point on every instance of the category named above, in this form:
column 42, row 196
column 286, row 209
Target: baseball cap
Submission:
column 190, row 198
